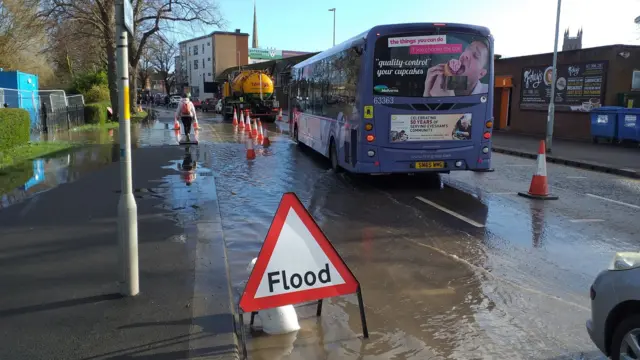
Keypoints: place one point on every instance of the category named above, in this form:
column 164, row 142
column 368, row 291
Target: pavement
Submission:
column 456, row 266
column 59, row 267
column 608, row 158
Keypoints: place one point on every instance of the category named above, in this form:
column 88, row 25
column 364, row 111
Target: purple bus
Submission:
column 399, row 99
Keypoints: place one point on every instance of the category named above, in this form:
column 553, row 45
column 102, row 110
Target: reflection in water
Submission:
column 538, row 227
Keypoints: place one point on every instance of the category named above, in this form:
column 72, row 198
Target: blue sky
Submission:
column 520, row 27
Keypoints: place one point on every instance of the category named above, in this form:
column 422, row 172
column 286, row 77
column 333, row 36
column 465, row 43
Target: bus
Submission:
column 402, row 98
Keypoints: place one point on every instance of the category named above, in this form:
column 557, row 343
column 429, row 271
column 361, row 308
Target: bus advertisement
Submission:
column 405, row 98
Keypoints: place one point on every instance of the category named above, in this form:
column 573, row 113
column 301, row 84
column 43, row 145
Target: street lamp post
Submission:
column 552, row 106
column 334, row 25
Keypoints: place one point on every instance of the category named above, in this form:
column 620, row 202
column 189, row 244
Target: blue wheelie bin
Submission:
column 629, row 124
column 604, row 123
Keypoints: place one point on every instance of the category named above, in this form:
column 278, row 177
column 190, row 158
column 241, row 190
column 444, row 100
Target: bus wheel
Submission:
column 333, row 155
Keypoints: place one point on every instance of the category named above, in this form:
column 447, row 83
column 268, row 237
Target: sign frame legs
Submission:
column 243, row 337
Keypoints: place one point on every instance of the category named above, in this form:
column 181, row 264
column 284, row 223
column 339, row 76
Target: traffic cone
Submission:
column 235, row 118
column 280, row 115
column 260, row 137
column 254, row 128
column 248, row 124
column 241, row 123
column 195, row 125
column 539, row 188
column 265, row 139
column 176, row 124
column 251, row 153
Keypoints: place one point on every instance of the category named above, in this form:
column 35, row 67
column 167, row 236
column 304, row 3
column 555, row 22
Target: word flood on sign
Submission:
column 297, row 263
column 296, row 280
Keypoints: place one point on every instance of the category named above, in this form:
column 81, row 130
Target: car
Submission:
column 196, row 102
column 175, row 100
column 219, row 107
column 614, row 326
column 208, row 105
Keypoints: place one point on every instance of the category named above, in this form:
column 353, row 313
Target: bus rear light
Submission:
column 485, row 150
column 368, row 126
column 370, row 138
column 489, row 124
column 371, row 153
column 377, row 163
column 439, row 24
column 487, row 135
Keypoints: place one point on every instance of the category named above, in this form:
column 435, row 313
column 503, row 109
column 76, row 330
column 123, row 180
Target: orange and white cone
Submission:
column 251, row 152
column 195, row 125
column 265, row 139
column 280, row 115
column 254, row 128
column 241, row 122
column 260, row 137
column 248, row 124
column 176, row 124
column 235, row 118
column 539, row 188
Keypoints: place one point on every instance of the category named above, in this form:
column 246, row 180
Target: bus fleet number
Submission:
column 380, row 100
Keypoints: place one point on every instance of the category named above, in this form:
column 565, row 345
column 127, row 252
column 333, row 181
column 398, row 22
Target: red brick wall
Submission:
column 567, row 124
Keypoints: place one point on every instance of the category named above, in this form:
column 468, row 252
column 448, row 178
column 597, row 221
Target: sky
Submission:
column 519, row 27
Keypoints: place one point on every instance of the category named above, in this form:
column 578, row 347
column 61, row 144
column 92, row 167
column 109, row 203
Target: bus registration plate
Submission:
column 430, row 165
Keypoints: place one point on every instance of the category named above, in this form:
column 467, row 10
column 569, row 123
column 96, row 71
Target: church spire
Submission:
column 254, row 43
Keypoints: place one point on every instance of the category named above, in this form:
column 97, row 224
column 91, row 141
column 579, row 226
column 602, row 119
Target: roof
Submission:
column 380, row 28
column 570, row 51
column 272, row 66
column 212, row 34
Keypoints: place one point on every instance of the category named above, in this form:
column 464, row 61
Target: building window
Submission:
column 209, row 74
column 203, row 63
column 208, row 44
column 195, row 64
column 189, row 51
column 203, row 48
column 195, row 50
column 635, row 80
column 209, row 59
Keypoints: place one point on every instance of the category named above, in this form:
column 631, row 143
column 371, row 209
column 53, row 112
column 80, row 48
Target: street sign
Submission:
column 297, row 263
column 128, row 15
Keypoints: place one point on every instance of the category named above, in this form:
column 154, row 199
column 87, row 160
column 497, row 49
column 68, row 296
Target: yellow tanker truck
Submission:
column 253, row 90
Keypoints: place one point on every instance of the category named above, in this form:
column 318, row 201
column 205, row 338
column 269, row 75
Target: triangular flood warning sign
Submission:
column 297, row 263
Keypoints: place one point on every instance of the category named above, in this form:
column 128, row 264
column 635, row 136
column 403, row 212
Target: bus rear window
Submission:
column 431, row 65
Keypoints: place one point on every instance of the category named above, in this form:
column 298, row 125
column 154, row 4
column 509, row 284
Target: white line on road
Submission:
column 614, row 201
column 585, row 220
column 450, row 212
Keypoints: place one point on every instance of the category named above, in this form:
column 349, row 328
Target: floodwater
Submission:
column 434, row 287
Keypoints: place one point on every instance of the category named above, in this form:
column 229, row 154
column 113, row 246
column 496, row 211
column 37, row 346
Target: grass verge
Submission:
column 135, row 118
column 31, row 151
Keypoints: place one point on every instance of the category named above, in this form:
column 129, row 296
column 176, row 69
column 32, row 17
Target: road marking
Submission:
column 450, row 212
column 614, row 201
column 576, row 177
column 585, row 220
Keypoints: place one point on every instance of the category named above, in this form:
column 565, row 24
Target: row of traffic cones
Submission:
column 176, row 125
column 254, row 130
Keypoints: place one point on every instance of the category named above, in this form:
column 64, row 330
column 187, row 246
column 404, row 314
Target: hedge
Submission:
column 15, row 125
column 96, row 113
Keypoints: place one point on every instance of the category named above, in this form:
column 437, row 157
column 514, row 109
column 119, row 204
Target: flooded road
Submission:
column 451, row 267
column 492, row 276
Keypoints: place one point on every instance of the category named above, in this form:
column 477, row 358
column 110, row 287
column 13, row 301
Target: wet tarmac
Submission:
column 492, row 276
column 451, row 267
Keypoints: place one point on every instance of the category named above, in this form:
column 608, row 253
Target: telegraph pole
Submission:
column 552, row 105
column 127, row 208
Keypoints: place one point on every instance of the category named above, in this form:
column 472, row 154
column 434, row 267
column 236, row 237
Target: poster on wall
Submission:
column 579, row 87
column 430, row 127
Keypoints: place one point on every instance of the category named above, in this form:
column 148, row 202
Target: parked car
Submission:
column 614, row 326
column 196, row 102
column 209, row 104
column 175, row 100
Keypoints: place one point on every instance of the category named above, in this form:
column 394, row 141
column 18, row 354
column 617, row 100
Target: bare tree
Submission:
column 22, row 38
column 150, row 17
column 163, row 60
